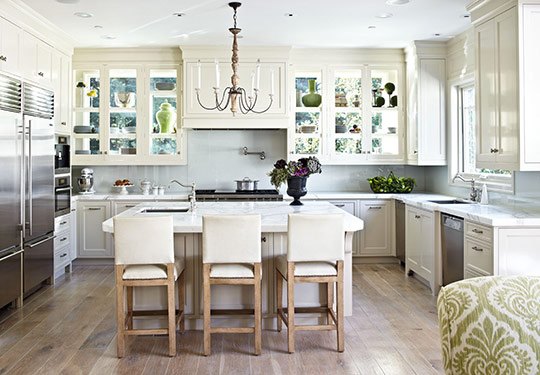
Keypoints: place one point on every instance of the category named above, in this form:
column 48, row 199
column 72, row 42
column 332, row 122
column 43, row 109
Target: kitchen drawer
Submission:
column 345, row 206
column 62, row 239
column 62, row 223
column 478, row 256
column 479, row 232
column 61, row 257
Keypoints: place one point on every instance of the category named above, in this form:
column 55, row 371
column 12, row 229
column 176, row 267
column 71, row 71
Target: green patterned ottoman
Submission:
column 491, row 326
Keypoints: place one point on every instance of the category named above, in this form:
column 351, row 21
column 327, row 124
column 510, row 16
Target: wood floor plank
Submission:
column 70, row 328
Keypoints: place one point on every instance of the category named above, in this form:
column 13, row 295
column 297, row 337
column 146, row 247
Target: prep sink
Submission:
column 164, row 210
column 450, row 201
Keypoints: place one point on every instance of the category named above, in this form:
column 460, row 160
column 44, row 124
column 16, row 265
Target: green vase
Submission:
column 166, row 117
column 312, row 99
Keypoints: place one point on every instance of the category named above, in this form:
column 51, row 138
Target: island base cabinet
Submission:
column 92, row 241
column 518, row 252
column 420, row 246
column 377, row 238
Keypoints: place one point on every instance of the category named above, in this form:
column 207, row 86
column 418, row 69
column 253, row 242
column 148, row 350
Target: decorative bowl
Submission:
column 165, row 86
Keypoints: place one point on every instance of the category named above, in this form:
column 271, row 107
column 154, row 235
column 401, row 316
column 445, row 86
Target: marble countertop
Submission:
column 273, row 214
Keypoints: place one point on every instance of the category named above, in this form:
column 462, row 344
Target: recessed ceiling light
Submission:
column 67, row 1
column 98, row 27
column 397, row 2
column 384, row 15
column 178, row 14
column 108, row 37
column 466, row 16
column 83, row 14
column 437, row 35
column 372, row 27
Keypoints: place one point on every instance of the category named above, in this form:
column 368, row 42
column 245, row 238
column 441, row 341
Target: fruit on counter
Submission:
column 124, row 182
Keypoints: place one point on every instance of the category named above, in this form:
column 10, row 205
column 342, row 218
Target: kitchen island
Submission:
column 188, row 229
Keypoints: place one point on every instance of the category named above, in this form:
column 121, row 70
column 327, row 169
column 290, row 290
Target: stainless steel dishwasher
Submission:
column 452, row 248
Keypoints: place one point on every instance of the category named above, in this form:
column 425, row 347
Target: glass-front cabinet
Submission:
column 129, row 119
column 359, row 119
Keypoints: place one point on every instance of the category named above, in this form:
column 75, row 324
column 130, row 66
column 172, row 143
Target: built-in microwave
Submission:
column 62, row 195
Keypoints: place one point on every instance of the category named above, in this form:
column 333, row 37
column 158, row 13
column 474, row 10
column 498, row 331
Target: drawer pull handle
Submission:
column 41, row 74
column 63, row 239
column 263, row 239
column 478, row 231
column 417, row 216
column 63, row 255
column 94, row 208
column 129, row 206
column 375, row 207
column 339, row 205
column 63, row 223
column 476, row 248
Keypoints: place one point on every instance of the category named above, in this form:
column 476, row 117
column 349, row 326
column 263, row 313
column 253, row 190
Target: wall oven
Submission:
column 62, row 195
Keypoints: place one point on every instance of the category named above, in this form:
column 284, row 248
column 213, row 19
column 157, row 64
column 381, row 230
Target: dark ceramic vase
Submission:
column 296, row 188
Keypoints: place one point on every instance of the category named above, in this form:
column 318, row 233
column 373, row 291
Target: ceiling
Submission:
column 314, row 23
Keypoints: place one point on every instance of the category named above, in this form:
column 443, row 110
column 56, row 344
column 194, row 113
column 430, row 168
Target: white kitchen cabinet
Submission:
column 350, row 206
column 73, row 229
column 477, row 250
column 377, row 238
column 92, row 241
column 426, row 101
column 61, row 79
column 420, row 247
column 63, row 243
column 36, row 60
column 518, row 251
column 9, row 47
column 121, row 206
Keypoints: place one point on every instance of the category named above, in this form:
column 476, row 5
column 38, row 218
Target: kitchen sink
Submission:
column 164, row 210
column 450, row 201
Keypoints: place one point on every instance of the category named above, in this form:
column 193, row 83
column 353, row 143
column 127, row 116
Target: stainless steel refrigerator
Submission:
column 26, row 187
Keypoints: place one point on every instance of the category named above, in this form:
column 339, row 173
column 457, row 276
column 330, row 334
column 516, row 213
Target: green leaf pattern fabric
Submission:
column 491, row 326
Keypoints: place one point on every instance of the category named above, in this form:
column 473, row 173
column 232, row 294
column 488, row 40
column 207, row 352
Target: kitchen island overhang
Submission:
column 188, row 228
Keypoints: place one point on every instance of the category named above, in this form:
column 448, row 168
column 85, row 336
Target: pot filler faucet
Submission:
column 192, row 198
column 474, row 195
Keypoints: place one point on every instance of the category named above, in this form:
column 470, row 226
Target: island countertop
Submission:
column 273, row 214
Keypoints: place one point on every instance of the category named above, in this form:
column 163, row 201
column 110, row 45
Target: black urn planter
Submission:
column 296, row 188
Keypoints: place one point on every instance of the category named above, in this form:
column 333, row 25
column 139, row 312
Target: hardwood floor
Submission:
column 70, row 328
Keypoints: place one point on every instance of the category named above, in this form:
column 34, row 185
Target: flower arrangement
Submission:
column 304, row 167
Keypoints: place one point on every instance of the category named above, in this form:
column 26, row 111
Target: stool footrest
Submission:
column 232, row 312
column 325, row 327
column 137, row 332
column 232, row 330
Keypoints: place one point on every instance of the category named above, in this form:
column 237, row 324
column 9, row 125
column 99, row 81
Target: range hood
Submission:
column 236, row 123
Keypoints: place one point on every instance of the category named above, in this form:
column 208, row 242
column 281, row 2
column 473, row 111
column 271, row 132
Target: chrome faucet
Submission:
column 475, row 193
column 192, row 198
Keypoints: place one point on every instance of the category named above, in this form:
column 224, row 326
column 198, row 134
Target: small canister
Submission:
column 155, row 190
column 161, row 190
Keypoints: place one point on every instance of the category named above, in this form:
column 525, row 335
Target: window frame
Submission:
column 497, row 183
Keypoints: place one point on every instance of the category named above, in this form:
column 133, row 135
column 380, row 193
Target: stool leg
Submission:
column 171, row 310
column 206, row 303
column 340, row 306
column 257, row 307
column 329, row 301
column 120, row 317
column 129, row 291
column 181, row 285
column 279, row 297
column 290, row 306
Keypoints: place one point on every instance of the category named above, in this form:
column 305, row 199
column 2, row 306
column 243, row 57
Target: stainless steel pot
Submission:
column 246, row 184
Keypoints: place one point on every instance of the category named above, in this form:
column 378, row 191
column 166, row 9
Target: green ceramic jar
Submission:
column 312, row 99
column 166, row 117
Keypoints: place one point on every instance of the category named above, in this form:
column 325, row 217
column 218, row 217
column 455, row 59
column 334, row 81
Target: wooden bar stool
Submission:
column 315, row 254
column 144, row 256
column 232, row 256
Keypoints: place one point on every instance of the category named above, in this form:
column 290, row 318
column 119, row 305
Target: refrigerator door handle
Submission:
column 30, row 177
column 40, row 242
column 11, row 255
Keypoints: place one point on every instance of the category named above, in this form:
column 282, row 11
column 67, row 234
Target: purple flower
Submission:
column 280, row 164
column 300, row 172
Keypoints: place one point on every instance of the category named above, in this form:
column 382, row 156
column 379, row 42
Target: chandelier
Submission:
column 238, row 97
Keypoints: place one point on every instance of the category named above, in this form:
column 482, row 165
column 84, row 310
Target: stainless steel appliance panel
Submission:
column 10, row 275
column 400, row 231
column 452, row 248
column 10, row 179
column 62, row 195
column 38, row 262
column 39, row 181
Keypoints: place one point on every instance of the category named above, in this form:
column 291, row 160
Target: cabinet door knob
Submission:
column 263, row 239
column 3, row 58
column 41, row 74
column 494, row 150
column 415, row 152
column 63, row 123
column 417, row 216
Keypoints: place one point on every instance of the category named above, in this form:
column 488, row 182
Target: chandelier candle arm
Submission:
column 198, row 87
column 217, row 75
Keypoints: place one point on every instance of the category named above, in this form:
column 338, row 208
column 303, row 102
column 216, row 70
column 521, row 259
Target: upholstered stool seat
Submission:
column 232, row 256
column 315, row 254
column 490, row 325
column 144, row 256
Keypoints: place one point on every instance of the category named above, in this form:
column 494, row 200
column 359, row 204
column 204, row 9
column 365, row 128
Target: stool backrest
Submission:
column 143, row 240
column 231, row 238
column 315, row 238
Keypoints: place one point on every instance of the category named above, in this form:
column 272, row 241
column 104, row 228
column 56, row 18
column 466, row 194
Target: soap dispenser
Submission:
column 484, row 197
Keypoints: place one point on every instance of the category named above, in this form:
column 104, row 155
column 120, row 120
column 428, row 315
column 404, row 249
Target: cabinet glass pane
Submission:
column 123, row 122
column 123, row 146
column 163, row 146
column 307, row 122
column 123, row 88
column 86, row 88
column 302, row 86
column 86, row 146
column 348, row 122
column 163, row 90
column 157, row 101
column 309, row 146
column 384, row 88
column 348, row 146
column 348, row 89
column 87, row 119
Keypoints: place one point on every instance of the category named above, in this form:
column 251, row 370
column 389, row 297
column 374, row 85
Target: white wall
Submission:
column 215, row 160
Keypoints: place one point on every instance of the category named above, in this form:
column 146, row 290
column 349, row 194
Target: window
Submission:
column 465, row 163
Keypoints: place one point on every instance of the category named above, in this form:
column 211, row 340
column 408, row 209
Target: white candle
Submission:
column 272, row 82
column 252, row 84
column 198, row 75
column 258, row 74
column 217, row 74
